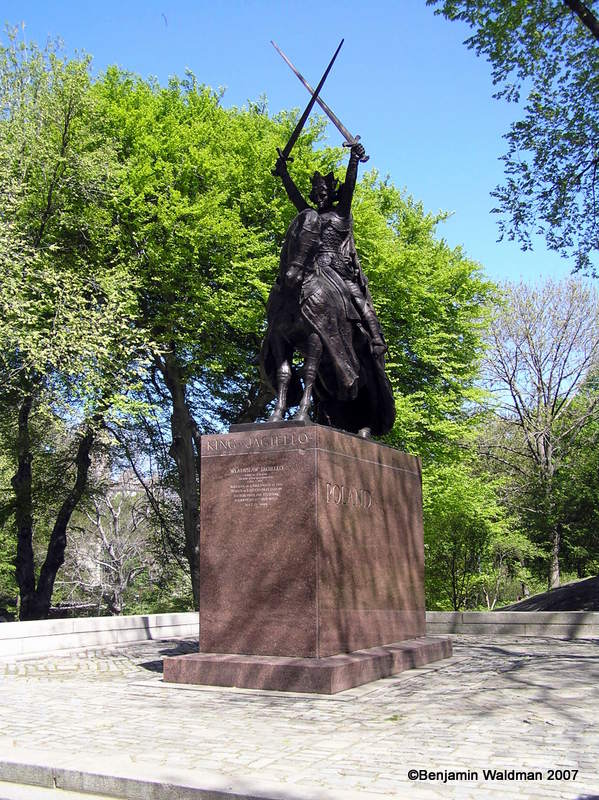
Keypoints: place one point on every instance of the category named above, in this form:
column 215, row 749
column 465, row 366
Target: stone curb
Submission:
column 122, row 779
column 21, row 791
column 553, row 624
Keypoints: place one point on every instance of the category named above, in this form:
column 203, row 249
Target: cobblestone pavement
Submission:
column 499, row 703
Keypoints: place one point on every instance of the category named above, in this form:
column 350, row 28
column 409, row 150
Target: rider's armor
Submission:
column 323, row 240
column 334, row 249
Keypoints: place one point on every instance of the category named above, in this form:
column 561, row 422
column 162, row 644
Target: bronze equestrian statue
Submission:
column 320, row 304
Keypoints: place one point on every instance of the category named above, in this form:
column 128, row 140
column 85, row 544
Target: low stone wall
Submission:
column 47, row 636
column 555, row 624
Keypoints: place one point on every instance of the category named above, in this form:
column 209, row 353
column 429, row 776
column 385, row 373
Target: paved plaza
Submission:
column 500, row 704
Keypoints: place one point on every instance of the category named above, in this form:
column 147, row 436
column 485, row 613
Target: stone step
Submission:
column 21, row 791
column 43, row 778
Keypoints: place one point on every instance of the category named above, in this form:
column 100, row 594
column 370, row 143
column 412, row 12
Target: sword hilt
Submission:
column 284, row 157
column 351, row 143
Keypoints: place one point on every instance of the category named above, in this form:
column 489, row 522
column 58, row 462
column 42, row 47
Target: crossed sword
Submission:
column 349, row 139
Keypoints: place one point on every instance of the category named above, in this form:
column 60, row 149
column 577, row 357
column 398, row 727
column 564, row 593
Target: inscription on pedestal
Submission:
column 351, row 496
column 256, row 486
column 251, row 443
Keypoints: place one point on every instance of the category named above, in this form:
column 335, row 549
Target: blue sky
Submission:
column 403, row 80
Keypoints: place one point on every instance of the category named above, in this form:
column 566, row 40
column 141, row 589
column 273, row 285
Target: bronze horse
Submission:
column 289, row 332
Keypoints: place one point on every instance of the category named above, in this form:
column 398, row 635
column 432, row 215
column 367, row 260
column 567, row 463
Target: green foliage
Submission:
column 204, row 221
column 542, row 349
column 52, row 446
column 170, row 595
column 201, row 216
column 66, row 298
column 576, row 489
column 8, row 584
column 549, row 52
column 470, row 547
column 152, row 231
column 68, row 347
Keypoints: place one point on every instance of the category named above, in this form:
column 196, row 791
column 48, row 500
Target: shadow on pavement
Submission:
column 544, row 676
column 174, row 648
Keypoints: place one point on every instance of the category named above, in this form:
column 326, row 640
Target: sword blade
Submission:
column 327, row 109
column 302, row 120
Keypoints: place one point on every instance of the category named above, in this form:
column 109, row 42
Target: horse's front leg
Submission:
column 311, row 364
column 283, row 379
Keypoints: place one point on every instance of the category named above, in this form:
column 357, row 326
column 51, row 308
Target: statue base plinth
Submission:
column 318, row 675
column 311, row 548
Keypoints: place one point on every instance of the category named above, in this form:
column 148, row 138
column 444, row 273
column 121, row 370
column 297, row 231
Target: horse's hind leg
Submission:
column 283, row 378
column 311, row 364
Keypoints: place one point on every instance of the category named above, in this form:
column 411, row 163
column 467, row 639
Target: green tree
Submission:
column 66, row 342
column 203, row 220
column 543, row 344
column 549, row 51
column 470, row 549
column 577, row 489
column 147, row 214
column 433, row 304
column 8, row 584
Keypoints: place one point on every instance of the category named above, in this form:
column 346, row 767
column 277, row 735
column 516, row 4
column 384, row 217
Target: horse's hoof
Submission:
column 276, row 416
column 301, row 416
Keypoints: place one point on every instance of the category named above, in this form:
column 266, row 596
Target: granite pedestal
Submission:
column 311, row 562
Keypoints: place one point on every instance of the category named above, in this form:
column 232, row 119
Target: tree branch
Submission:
column 586, row 16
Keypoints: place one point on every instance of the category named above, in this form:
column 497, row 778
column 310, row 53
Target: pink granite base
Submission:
column 311, row 543
column 319, row 675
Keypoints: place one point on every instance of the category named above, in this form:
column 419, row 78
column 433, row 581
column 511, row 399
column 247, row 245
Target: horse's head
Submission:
column 293, row 276
column 299, row 249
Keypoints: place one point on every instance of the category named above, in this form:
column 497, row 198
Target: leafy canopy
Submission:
column 433, row 304
column 142, row 229
column 201, row 218
column 547, row 51
column 469, row 543
column 65, row 307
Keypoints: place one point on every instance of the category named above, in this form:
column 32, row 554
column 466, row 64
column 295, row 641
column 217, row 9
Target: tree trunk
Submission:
column 35, row 601
column 454, row 586
column 58, row 538
column 21, row 483
column 584, row 13
column 553, row 528
column 188, row 464
column 554, row 563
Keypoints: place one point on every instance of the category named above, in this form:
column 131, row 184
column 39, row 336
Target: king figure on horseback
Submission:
column 321, row 306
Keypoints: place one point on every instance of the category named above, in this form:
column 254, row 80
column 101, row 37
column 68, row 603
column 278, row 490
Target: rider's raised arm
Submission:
column 347, row 191
column 293, row 192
